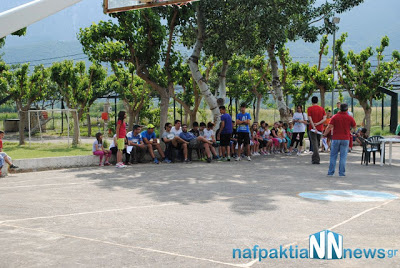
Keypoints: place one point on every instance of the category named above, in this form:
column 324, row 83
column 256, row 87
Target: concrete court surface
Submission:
column 193, row 215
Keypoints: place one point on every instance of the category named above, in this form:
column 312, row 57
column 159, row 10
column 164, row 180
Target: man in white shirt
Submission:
column 176, row 130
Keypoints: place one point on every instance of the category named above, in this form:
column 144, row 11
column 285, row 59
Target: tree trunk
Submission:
column 137, row 120
column 130, row 113
column 185, row 119
column 23, row 115
column 132, row 118
column 89, row 124
column 254, row 110
column 193, row 117
column 75, row 138
column 322, row 95
column 164, row 104
column 258, row 107
column 198, row 77
column 276, row 85
column 222, row 80
column 367, row 112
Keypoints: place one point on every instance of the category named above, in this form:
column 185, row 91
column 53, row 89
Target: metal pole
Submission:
column 62, row 115
column 115, row 114
column 40, row 126
column 352, row 103
column 79, row 129
column 383, row 113
column 68, row 125
column 230, row 105
column 52, row 114
column 174, row 111
column 29, row 127
column 181, row 113
column 333, row 67
column 236, row 107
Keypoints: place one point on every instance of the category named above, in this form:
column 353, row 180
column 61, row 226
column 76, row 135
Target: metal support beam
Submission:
column 22, row 16
column 394, row 109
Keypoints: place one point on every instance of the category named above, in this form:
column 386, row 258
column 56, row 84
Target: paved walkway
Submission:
column 193, row 215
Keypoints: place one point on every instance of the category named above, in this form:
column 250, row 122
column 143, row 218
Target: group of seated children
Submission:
column 265, row 141
column 201, row 138
column 262, row 140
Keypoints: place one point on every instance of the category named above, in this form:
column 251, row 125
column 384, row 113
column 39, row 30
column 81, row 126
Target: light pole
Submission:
column 335, row 21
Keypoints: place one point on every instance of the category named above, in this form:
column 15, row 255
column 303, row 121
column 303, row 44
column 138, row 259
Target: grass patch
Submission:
column 377, row 131
column 41, row 150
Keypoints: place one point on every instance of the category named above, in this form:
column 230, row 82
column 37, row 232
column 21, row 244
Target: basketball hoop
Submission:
column 113, row 6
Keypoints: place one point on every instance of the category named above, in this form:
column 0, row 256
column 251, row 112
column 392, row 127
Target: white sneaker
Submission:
column 248, row 158
column 121, row 166
column 298, row 153
column 117, row 165
column 238, row 158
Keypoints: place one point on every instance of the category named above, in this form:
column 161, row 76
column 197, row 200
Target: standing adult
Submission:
column 243, row 131
column 299, row 128
column 341, row 124
column 316, row 116
column 225, row 133
column 337, row 109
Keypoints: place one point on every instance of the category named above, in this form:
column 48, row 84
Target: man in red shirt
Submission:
column 317, row 116
column 341, row 124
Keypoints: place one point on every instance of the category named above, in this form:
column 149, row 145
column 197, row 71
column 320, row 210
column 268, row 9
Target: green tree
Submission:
column 279, row 21
column 77, row 85
column 190, row 97
column 313, row 77
column 222, row 31
column 360, row 78
column 24, row 89
column 248, row 80
column 139, row 38
column 132, row 90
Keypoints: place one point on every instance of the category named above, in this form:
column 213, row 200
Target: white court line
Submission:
column 88, row 212
column 331, row 228
column 108, row 210
column 41, row 179
column 123, row 245
column 52, row 184
column 360, row 214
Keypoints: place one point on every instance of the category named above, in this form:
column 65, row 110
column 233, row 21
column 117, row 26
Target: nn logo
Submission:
column 326, row 245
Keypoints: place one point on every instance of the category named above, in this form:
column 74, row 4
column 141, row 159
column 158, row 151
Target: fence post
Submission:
column 174, row 110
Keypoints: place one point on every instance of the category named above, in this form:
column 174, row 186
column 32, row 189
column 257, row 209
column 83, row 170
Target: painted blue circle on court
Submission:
column 349, row 196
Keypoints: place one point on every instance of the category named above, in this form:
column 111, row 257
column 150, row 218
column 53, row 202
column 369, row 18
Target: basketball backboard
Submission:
column 112, row 6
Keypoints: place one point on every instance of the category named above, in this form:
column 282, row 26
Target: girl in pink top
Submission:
column 121, row 133
column 98, row 149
